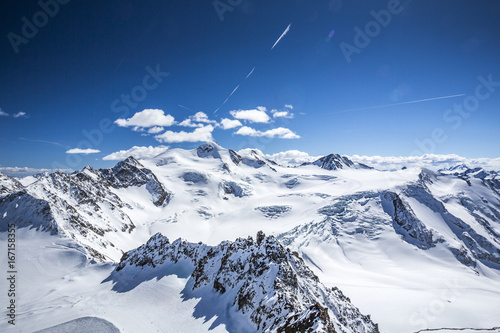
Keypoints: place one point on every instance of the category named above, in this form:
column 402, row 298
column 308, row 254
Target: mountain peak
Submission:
column 132, row 161
column 336, row 161
column 266, row 284
column 208, row 149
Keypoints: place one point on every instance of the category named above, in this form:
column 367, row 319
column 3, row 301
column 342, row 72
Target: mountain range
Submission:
column 327, row 246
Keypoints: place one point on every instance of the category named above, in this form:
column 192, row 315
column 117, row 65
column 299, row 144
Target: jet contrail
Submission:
column 253, row 69
column 42, row 141
column 227, row 98
column 393, row 104
column 250, row 73
column 185, row 107
column 282, row 35
column 231, row 94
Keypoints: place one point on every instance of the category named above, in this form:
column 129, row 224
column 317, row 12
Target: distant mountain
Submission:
column 335, row 162
column 132, row 173
column 9, row 185
column 376, row 235
column 83, row 205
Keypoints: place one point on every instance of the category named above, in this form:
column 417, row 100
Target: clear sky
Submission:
column 316, row 76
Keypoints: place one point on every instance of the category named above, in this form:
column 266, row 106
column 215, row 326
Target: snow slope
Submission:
column 414, row 248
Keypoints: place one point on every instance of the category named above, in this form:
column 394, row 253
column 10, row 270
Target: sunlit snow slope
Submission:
column 413, row 248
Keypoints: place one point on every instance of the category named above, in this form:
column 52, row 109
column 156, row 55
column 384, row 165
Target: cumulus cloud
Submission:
column 199, row 134
column 147, row 118
column 258, row 115
column 292, row 157
column 202, row 118
column 289, row 106
column 82, row 151
column 137, row 152
column 431, row 161
column 227, row 123
column 199, row 119
column 282, row 114
column 155, row 130
column 279, row 132
column 189, row 123
column 2, row 113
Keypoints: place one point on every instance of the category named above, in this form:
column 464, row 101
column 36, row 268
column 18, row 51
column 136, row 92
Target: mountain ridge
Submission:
column 350, row 225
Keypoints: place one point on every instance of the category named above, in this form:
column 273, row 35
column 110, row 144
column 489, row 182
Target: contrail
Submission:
column 253, row 69
column 250, row 73
column 185, row 107
column 227, row 98
column 393, row 104
column 282, row 35
column 231, row 94
column 42, row 141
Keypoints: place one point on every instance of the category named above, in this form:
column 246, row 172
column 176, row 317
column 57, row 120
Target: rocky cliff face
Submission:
column 265, row 284
column 132, row 173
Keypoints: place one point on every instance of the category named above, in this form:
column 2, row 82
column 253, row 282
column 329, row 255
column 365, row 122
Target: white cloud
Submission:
column 202, row 118
column 279, row 132
column 257, row 115
column 189, row 123
column 289, row 106
column 197, row 120
column 147, row 118
column 156, row 129
column 282, row 114
column 19, row 114
column 2, row 113
column 26, row 171
column 137, row 152
column 199, row 134
column 82, row 151
column 292, row 157
column 227, row 123
column 431, row 161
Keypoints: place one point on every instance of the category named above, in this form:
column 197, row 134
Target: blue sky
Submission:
column 68, row 78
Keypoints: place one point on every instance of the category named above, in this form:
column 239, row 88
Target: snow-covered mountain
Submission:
column 335, row 162
column 258, row 283
column 9, row 185
column 414, row 248
column 86, row 205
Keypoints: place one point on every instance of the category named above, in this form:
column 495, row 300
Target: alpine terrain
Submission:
column 216, row 240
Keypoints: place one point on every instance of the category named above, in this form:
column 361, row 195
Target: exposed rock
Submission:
column 132, row 173
column 261, row 279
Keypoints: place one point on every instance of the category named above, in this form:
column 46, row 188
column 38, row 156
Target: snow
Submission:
column 355, row 248
column 57, row 284
column 83, row 325
column 27, row 180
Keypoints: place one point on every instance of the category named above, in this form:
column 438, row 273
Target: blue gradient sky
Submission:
column 67, row 76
